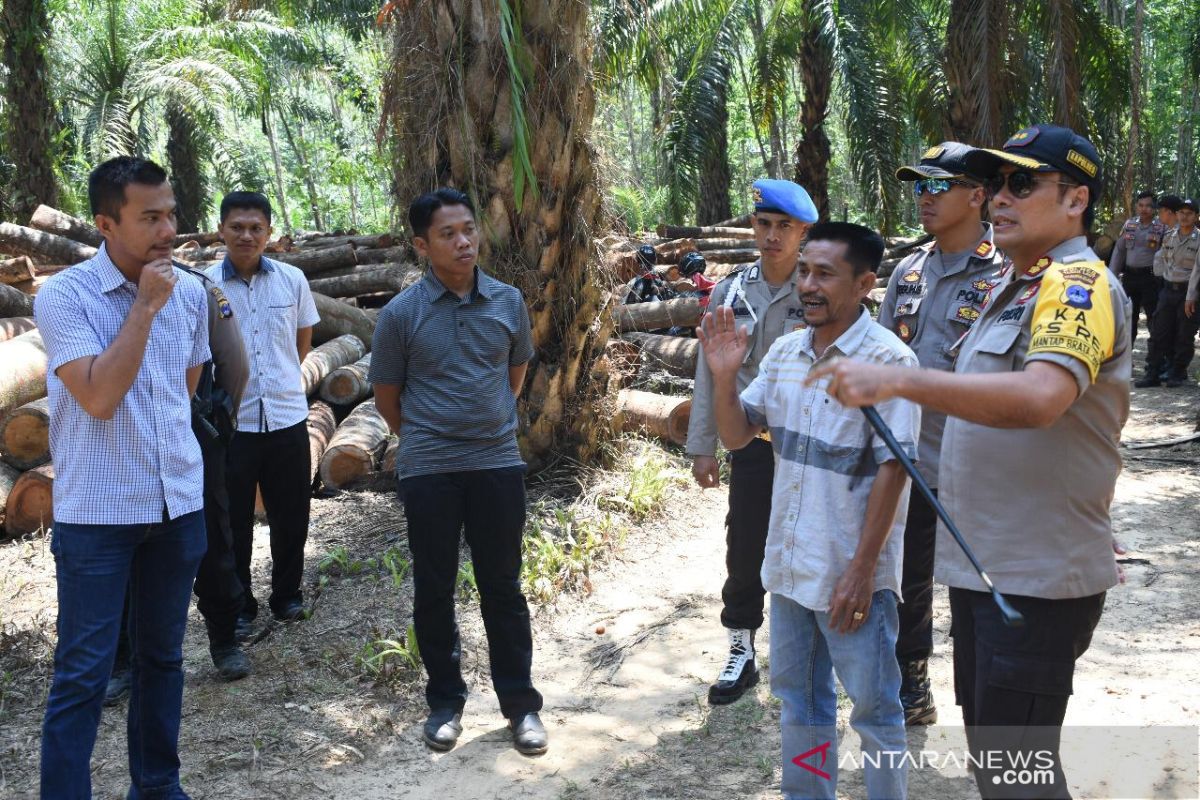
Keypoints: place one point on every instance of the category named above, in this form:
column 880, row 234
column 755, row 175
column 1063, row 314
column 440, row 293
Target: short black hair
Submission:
column 864, row 247
column 420, row 213
column 246, row 201
column 1172, row 202
column 1142, row 195
column 106, row 184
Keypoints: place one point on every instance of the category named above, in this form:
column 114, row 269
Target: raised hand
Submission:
column 156, row 283
column 725, row 343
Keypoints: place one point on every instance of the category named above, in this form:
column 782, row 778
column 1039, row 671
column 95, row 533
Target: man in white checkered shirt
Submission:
column 126, row 341
column 834, row 546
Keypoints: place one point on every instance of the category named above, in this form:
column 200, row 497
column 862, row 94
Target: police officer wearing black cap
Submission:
column 932, row 298
column 1133, row 257
column 763, row 298
column 1030, row 455
column 1173, row 330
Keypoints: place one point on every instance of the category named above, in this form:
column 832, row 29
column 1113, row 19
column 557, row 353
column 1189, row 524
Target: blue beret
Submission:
column 785, row 196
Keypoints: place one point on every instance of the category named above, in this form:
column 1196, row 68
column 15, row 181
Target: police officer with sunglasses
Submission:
column 932, row 298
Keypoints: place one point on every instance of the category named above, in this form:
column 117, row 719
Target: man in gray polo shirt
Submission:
column 448, row 360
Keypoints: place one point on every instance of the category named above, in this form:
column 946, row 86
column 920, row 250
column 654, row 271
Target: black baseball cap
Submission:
column 1043, row 148
column 946, row 160
column 1189, row 203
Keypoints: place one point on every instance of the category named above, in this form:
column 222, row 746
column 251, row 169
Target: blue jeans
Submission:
column 805, row 654
column 94, row 564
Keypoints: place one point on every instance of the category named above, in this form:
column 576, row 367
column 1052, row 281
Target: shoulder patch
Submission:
column 1074, row 318
column 223, row 306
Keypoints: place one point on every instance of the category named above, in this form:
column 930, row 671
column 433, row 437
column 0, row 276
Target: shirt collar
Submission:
column 848, row 343
column 109, row 274
column 227, row 270
column 484, row 285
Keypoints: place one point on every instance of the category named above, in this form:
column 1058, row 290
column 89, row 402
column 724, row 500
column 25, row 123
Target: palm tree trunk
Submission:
column 975, row 70
column 1135, row 107
column 280, row 189
column 1062, row 71
column 1185, row 152
column 454, row 107
column 184, row 153
column 712, row 197
column 750, row 106
column 778, row 156
column 30, row 123
column 816, row 75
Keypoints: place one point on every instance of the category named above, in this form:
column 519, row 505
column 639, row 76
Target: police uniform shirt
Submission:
column 1137, row 245
column 1033, row 504
column 1178, row 255
column 932, row 298
column 230, row 365
column 768, row 314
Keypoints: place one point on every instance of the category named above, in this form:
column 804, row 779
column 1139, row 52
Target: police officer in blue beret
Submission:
column 764, row 300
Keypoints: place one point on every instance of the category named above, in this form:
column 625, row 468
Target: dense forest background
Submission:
column 313, row 101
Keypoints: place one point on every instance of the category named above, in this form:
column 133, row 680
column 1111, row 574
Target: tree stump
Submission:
column 327, row 357
column 349, row 384
column 664, row 416
column 355, row 448
column 25, row 435
column 30, row 504
column 22, row 370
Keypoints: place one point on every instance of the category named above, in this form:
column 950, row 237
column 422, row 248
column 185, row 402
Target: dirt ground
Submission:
column 625, row 708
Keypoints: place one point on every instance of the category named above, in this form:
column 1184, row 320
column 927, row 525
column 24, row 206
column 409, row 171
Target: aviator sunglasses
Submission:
column 1020, row 183
column 935, row 186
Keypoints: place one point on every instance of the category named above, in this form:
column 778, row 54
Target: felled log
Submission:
column 321, row 425
column 201, row 239
column 365, row 280
column 17, row 270
column 30, row 505
column 371, row 242
column 31, row 287
column 338, row 318
column 664, row 416
column 327, row 357
column 51, row 220
column 383, row 255
column 676, row 353
column 349, row 384
column 17, row 240
column 311, row 262
column 683, row 311
column 705, row 245
column 12, row 327
column 741, row 255
column 704, row 232
column 388, row 462
column 744, row 221
column 25, row 435
column 191, row 252
column 355, row 448
column 22, row 371
column 8, row 477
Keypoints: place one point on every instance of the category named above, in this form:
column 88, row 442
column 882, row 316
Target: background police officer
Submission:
column 932, row 298
column 763, row 299
column 1173, row 331
column 1133, row 258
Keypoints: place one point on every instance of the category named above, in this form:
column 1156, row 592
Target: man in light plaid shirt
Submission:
column 126, row 341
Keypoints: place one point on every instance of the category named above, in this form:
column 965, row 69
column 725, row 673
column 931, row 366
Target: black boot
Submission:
column 740, row 672
column 915, row 695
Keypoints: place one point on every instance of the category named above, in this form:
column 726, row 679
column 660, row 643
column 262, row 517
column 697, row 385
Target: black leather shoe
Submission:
column 740, row 673
column 230, row 661
column 915, row 694
column 118, row 687
column 1147, row 382
column 244, row 631
column 1175, row 381
column 442, row 729
column 529, row 735
column 293, row 611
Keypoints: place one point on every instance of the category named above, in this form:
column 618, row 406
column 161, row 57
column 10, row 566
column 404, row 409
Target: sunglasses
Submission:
column 1020, row 183
column 935, row 186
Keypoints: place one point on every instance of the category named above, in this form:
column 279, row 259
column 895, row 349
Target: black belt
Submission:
column 1180, row 286
column 1130, row 268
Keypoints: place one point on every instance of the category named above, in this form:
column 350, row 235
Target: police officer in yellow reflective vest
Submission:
column 764, row 300
column 932, row 298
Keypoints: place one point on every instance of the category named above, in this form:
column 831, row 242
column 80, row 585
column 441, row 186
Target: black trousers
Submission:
column 488, row 506
column 278, row 462
column 218, row 589
column 1142, row 286
column 1014, row 683
column 752, row 473
column 915, row 640
column 1172, row 332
